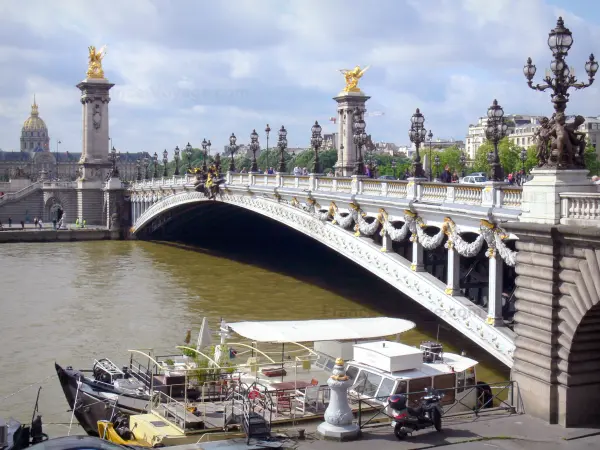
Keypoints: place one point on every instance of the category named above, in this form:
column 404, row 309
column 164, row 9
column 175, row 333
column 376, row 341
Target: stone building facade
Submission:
column 35, row 157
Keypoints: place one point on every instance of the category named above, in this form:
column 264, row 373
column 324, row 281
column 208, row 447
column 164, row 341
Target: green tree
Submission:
column 450, row 157
column 509, row 154
column 590, row 158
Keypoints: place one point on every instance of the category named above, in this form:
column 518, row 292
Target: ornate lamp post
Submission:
column 113, row 159
column 176, row 157
column 208, row 146
column 155, row 158
column 417, row 134
column 232, row 149
column 188, row 152
column 267, row 131
column 218, row 162
column 360, row 137
column 282, row 144
column 560, row 40
column 138, row 165
column 437, row 166
column 254, row 147
column 316, row 141
column 429, row 139
column 394, row 167
column 463, row 163
column 165, row 162
column 146, row 167
column 204, row 155
column 495, row 131
column 523, row 158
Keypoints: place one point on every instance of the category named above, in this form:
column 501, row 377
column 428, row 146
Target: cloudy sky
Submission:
column 186, row 70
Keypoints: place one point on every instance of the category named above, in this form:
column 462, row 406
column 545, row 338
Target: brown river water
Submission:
column 73, row 302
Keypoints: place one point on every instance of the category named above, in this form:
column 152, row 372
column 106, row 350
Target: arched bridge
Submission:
column 435, row 243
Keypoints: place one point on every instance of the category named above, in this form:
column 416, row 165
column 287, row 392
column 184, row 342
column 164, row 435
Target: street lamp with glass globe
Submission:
column 176, row 157
column 138, row 166
column 204, row 145
column 267, row 131
column 233, row 147
column 394, row 167
column 429, row 139
column 560, row 40
column 188, row 152
column 155, row 160
column 146, row 167
column 165, row 162
column 316, row 141
column 360, row 138
column 495, row 131
column 523, row 159
column 113, row 159
column 463, row 163
column 254, row 147
column 437, row 166
column 282, row 144
column 417, row 135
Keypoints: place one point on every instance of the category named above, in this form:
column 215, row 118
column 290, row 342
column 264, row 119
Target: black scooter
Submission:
column 406, row 420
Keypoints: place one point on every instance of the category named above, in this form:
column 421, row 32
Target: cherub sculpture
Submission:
column 95, row 62
column 577, row 139
column 542, row 136
column 352, row 77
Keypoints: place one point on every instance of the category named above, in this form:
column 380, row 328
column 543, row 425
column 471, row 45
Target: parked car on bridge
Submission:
column 387, row 177
column 472, row 179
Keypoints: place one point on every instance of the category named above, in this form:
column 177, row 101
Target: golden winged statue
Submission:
column 352, row 77
column 95, row 62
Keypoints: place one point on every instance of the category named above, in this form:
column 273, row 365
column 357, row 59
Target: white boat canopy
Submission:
column 321, row 330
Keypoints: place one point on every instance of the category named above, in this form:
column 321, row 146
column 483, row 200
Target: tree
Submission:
column 509, row 154
column 590, row 158
column 450, row 157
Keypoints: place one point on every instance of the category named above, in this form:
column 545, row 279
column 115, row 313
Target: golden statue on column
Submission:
column 95, row 62
column 352, row 77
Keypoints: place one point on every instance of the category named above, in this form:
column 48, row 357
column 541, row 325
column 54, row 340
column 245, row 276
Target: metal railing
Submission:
column 490, row 397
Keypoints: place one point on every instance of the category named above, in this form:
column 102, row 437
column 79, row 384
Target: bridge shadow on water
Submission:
column 246, row 237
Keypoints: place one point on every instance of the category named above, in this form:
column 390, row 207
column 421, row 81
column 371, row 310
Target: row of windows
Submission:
column 34, row 134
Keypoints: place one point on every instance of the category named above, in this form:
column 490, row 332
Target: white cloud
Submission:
column 190, row 70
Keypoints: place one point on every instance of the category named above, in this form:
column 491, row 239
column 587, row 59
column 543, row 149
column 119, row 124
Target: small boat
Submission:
column 294, row 388
column 16, row 436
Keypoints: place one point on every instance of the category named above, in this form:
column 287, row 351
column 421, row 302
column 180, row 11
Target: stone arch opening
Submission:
column 54, row 209
column 436, row 259
column 404, row 248
column 474, row 279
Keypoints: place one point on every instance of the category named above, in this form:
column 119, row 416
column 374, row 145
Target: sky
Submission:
column 185, row 70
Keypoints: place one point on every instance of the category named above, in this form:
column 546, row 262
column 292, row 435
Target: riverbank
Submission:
column 31, row 234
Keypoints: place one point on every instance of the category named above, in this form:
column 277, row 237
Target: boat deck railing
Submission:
column 490, row 398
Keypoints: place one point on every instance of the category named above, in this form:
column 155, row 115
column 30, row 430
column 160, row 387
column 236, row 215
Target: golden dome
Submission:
column 34, row 122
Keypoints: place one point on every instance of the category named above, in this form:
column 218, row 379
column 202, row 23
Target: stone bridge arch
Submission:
column 53, row 200
column 422, row 287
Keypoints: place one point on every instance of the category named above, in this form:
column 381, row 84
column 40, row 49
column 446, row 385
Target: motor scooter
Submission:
column 407, row 420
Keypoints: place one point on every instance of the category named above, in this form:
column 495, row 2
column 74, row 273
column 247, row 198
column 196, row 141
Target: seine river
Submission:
column 73, row 302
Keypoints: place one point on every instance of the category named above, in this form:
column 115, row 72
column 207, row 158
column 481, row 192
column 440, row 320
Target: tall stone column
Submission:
column 347, row 104
column 453, row 271
column 417, row 257
column 495, row 288
column 94, row 164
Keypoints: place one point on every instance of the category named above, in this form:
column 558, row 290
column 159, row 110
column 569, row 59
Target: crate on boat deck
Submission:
column 388, row 356
column 172, row 385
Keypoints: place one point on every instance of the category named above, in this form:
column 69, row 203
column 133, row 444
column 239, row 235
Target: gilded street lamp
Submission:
column 560, row 40
column 267, row 130
column 394, row 167
column 204, row 155
column 429, row 138
column 282, row 144
column 437, row 166
column 254, row 147
column 316, row 141
column 417, row 134
column 188, row 152
column 155, row 159
column 138, row 165
column 463, row 163
column 360, row 137
column 232, row 149
column 495, row 131
column 176, row 157
column 165, row 162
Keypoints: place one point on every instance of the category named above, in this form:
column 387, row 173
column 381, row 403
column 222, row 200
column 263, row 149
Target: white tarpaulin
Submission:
column 321, row 330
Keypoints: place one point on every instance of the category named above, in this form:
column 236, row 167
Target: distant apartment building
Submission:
column 436, row 144
column 522, row 130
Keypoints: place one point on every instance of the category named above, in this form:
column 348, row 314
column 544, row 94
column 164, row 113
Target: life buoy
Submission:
column 253, row 394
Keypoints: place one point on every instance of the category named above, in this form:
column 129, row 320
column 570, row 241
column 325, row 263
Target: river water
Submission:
column 72, row 302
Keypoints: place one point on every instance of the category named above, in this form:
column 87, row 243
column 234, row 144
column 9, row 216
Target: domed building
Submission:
column 34, row 134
